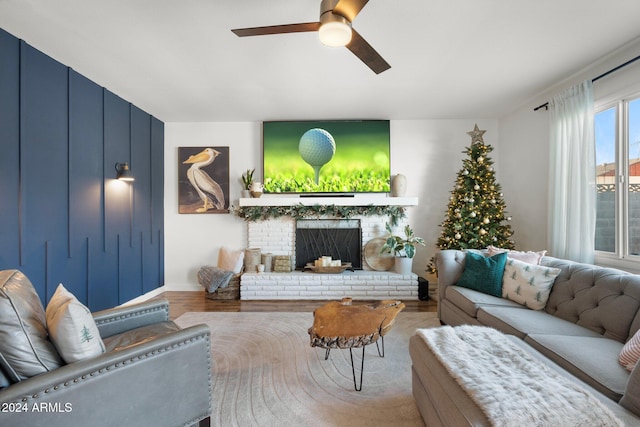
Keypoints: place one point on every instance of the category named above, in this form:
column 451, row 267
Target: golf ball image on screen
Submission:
column 317, row 148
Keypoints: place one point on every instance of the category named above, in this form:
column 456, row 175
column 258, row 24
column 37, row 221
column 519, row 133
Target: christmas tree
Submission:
column 476, row 211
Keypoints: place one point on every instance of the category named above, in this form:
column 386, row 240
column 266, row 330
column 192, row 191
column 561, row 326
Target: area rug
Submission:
column 265, row 373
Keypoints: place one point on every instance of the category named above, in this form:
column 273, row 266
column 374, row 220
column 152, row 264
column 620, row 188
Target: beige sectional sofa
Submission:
column 590, row 314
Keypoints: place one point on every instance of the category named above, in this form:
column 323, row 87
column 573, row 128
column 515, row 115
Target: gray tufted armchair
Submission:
column 152, row 374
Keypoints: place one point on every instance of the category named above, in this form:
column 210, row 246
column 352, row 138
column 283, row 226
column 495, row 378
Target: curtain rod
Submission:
column 613, row 70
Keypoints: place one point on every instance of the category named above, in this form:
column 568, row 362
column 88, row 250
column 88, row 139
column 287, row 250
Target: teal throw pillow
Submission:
column 483, row 274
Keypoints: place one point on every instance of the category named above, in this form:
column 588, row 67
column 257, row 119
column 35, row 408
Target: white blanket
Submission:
column 511, row 386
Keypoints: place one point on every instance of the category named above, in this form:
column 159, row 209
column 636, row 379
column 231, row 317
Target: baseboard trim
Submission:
column 146, row 297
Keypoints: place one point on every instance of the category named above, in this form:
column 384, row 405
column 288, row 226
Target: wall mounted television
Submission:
column 326, row 157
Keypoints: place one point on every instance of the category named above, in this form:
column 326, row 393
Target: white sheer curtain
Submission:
column 572, row 190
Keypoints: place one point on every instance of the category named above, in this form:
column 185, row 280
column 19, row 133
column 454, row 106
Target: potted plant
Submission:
column 247, row 180
column 403, row 248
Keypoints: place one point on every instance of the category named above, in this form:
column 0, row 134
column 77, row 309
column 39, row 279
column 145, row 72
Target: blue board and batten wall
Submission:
column 64, row 218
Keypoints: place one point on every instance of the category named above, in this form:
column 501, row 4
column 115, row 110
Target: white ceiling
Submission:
column 178, row 59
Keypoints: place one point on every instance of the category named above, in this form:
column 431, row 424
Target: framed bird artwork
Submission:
column 203, row 180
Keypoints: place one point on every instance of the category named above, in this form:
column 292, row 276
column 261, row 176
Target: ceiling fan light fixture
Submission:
column 335, row 30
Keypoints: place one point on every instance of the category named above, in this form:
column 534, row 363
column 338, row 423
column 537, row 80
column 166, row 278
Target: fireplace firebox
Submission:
column 338, row 238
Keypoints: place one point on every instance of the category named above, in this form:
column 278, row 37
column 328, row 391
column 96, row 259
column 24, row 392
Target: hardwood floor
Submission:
column 181, row 302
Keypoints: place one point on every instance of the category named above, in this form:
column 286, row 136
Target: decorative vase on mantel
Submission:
column 256, row 189
column 398, row 185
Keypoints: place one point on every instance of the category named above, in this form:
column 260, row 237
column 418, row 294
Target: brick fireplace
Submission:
column 278, row 237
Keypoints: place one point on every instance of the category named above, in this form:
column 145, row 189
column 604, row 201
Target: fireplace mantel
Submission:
column 356, row 200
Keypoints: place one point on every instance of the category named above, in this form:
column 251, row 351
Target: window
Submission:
column 617, row 133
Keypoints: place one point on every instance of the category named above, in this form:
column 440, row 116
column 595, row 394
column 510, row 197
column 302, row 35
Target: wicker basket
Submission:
column 282, row 263
column 232, row 291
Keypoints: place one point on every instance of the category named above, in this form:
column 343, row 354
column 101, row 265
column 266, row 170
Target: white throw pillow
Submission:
column 528, row 284
column 72, row 328
column 630, row 353
column 230, row 260
column 529, row 257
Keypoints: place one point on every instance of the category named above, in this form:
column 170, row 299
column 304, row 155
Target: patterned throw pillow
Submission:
column 630, row 352
column 529, row 257
column 483, row 274
column 528, row 284
column 72, row 328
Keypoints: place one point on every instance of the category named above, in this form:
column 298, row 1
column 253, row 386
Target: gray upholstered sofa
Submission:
column 590, row 314
column 152, row 373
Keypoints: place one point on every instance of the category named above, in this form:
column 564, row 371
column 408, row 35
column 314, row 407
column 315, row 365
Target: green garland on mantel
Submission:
column 259, row 213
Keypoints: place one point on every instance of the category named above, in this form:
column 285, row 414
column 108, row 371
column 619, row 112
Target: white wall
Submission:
column 193, row 240
column 524, row 147
column 429, row 153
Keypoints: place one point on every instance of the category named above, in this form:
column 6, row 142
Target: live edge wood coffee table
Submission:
column 340, row 324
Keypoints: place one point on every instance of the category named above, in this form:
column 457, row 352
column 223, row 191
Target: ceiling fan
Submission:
column 334, row 30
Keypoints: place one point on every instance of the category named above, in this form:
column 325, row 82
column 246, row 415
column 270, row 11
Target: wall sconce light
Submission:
column 123, row 172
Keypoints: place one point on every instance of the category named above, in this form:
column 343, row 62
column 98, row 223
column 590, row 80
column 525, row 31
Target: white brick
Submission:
column 296, row 288
column 266, row 293
column 385, row 288
column 340, row 288
column 378, row 293
column 289, row 294
column 377, row 282
column 313, row 293
column 287, row 283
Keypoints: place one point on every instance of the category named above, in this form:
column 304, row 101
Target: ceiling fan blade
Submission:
column 277, row 29
column 349, row 8
column 366, row 53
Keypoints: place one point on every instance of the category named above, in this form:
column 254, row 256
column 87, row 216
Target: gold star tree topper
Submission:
column 476, row 134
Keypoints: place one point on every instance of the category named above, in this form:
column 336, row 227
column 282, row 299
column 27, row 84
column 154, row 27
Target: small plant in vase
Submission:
column 404, row 248
column 247, row 180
